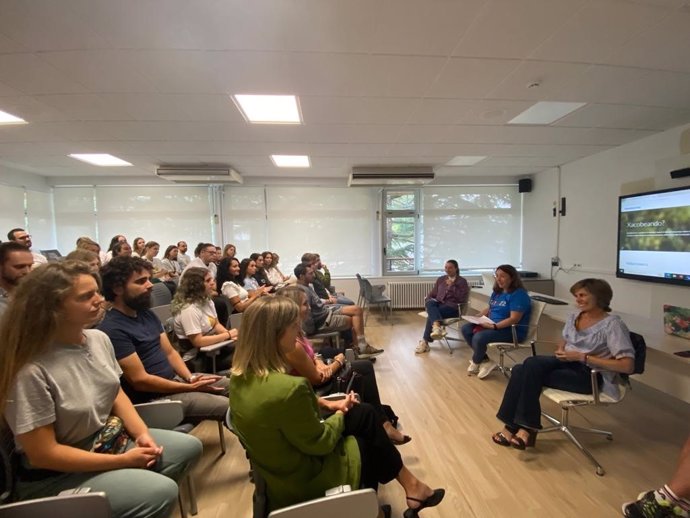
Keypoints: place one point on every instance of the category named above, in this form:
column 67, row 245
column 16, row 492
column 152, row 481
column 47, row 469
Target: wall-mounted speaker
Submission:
column 678, row 173
column 525, row 185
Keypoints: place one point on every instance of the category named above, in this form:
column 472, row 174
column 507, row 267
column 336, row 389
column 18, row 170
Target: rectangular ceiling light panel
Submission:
column 269, row 109
column 100, row 159
column 545, row 112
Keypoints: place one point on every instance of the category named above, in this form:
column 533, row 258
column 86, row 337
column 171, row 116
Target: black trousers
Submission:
column 520, row 406
column 381, row 461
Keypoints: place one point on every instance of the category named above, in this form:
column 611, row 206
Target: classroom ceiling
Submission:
column 389, row 82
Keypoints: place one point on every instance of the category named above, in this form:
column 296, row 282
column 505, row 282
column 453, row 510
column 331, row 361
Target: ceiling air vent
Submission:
column 199, row 174
column 406, row 175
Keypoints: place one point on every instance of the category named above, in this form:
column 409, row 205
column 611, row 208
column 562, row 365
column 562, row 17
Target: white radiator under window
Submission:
column 409, row 295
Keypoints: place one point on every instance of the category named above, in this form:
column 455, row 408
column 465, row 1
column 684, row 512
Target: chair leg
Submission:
column 564, row 427
column 183, row 511
column 192, row 496
column 221, row 433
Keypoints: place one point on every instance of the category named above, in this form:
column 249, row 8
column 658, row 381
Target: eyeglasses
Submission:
column 23, row 238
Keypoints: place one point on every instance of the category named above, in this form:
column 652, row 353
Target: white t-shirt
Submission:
column 231, row 289
column 193, row 320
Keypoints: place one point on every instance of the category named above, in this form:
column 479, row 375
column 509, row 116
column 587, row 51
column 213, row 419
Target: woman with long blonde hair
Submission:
column 277, row 417
column 60, row 393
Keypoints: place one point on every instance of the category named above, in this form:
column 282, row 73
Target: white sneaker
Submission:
column 486, row 368
column 438, row 332
column 422, row 347
column 473, row 368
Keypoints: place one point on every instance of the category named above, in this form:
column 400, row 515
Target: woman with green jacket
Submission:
column 277, row 417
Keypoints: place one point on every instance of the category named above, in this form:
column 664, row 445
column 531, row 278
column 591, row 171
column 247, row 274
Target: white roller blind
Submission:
column 340, row 224
column 244, row 219
column 480, row 227
column 166, row 214
column 74, row 216
column 11, row 209
column 39, row 211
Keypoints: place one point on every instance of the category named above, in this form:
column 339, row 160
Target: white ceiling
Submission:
column 380, row 82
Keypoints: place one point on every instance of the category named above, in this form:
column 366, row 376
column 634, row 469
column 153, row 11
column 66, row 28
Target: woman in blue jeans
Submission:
column 509, row 304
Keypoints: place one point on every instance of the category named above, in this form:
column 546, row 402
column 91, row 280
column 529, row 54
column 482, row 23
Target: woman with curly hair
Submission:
column 196, row 322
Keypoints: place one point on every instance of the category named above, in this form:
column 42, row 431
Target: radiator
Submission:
column 408, row 295
column 411, row 295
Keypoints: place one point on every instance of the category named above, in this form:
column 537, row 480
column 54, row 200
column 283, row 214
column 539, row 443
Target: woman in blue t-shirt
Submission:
column 509, row 304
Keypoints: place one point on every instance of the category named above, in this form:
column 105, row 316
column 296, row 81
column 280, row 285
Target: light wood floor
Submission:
column 451, row 417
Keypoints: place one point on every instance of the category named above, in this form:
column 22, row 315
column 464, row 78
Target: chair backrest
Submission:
column 360, row 281
column 640, row 347
column 535, row 315
column 234, row 321
column 488, row 280
column 165, row 414
column 162, row 312
column 160, row 295
column 7, row 456
column 362, row 503
column 93, row 505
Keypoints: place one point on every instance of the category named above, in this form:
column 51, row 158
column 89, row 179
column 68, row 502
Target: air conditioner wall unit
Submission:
column 199, row 174
column 399, row 175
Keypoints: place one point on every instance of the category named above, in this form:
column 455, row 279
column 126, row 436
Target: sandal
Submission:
column 405, row 440
column 430, row 501
column 500, row 439
column 520, row 444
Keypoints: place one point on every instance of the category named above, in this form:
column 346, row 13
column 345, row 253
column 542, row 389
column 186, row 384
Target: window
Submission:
column 479, row 226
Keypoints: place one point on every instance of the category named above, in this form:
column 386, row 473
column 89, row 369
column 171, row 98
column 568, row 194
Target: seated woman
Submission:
column 151, row 250
column 275, row 276
column 138, row 246
column 305, row 363
column 196, row 321
column 228, row 277
column 61, row 396
column 442, row 302
column 591, row 338
column 260, row 274
column 246, row 276
column 170, row 262
column 509, row 304
column 229, row 251
column 277, row 418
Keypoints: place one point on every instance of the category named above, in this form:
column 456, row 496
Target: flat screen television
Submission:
column 654, row 236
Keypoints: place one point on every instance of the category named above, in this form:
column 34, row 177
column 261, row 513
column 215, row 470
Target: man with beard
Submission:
column 152, row 368
column 182, row 256
column 21, row 236
column 15, row 262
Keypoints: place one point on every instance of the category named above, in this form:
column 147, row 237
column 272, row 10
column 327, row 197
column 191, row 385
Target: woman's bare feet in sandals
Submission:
column 503, row 438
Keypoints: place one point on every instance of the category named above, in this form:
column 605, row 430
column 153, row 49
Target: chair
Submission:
column 505, row 348
column 569, row 400
column 234, row 321
column 374, row 297
column 167, row 415
column 93, row 505
column 160, row 295
column 450, row 322
column 376, row 287
column 327, row 335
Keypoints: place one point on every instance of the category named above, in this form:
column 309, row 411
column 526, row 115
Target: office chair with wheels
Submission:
column 569, row 400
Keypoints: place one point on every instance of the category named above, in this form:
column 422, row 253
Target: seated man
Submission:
column 442, row 302
column 21, row 236
column 322, row 281
column 323, row 318
column 152, row 369
column 15, row 262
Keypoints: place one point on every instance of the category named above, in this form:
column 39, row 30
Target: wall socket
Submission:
column 555, row 261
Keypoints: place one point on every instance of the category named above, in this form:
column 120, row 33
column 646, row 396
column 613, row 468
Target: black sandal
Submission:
column 520, row 444
column 430, row 501
column 501, row 439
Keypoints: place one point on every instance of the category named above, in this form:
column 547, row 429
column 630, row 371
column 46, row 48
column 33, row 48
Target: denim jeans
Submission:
column 479, row 341
column 437, row 311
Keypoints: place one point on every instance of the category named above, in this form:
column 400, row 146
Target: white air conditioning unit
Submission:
column 199, row 174
column 381, row 176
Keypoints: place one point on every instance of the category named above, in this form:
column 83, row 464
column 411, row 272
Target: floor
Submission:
column 451, row 417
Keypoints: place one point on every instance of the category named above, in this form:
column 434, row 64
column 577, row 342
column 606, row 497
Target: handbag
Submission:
column 113, row 438
column 346, row 379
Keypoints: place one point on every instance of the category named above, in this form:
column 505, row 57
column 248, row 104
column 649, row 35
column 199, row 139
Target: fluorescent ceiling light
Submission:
column 101, row 159
column 545, row 112
column 8, row 118
column 465, row 160
column 290, row 160
column 269, row 109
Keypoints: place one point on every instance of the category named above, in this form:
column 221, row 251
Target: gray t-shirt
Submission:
column 72, row 387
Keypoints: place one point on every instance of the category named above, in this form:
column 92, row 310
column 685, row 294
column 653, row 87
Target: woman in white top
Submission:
column 170, row 262
column 247, row 272
column 196, row 322
column 227, row 279
column 275, row 276
column 151, row 250
column 60, row 391
column 138, row 247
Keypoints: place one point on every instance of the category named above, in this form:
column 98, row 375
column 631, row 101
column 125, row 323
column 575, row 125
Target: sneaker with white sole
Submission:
column 438, row 332
column 422, row 347
column 368, row 352
column 473, row 368
column 486, row 368
column 652, row 504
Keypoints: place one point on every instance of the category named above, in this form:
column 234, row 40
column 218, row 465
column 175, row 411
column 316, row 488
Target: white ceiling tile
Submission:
column 626, row 116
column 84, row 107
column 441, row 111
column 555, row 82
column 357, row 110
column 510, row 29
column 31, row 109
column 30, row 74
column 469, row 78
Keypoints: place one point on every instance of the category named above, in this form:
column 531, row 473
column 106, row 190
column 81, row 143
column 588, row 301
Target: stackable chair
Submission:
column 160, row 295
column 373, row 296
column 454, row 323
column 569, row 400
column 506, row 348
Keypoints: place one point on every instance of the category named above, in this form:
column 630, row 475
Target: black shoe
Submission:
column 430, row 501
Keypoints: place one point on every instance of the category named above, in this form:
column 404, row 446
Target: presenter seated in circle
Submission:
column 509, row 304
column 592, row 338
column 277, row 418
column 60, row 392
column 442, row 302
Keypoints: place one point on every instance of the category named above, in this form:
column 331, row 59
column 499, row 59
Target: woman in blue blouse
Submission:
column 591, row 338
column 509, row 304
